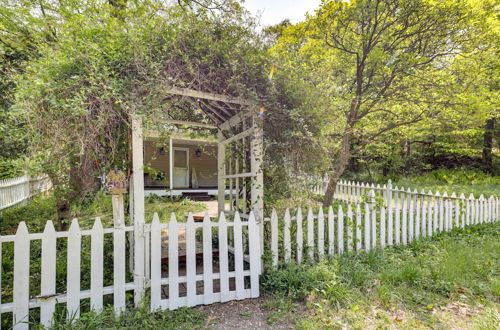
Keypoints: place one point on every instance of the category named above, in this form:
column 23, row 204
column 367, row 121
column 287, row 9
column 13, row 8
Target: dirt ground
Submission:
column 244, row 314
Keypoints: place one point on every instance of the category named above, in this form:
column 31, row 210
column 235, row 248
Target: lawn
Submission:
column 453, row 281
column 42, row 208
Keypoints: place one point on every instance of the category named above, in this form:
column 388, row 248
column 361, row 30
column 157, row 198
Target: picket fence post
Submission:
column 21, row 288
column 274, row 237
column 73, row 273
column 321, row 233
column 331, row 232
column 340, row 231
column 96, row 265
column 286, row 237
column 300, row 235
column 48, row 275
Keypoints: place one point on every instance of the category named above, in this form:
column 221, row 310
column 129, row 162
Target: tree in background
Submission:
column 373, row 66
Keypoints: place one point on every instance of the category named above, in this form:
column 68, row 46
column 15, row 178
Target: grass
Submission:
column 183, row 318
column 43, row 207
column 449, row 282
column 458, row 181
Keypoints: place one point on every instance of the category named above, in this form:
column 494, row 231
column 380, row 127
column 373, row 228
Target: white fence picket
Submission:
column 96, row 265
column 382, row 227
column 238, row 258
column 321, row 234
column 173, row 263
column 404, row 223
column 340, row 231
column 155, row 263
column 366, row 224
column 191, row 259
column 208, row 281
column 348, row 225
column 274, row 237
column 48, row 274
column 331, row 232
column 21, row 277
column 359, row 238
column 119, row 268
column 255, row 253
column 223, row 259
column 300, row 235
column 73, row 272
column 310, row 234
column 286, row 236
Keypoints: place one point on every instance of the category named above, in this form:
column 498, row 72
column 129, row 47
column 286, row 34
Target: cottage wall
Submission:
column 156, row 156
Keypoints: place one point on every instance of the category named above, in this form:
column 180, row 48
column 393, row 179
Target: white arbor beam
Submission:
column 138, row 200
column 207, row 96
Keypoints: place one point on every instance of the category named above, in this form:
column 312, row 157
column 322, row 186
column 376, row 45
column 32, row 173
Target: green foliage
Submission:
column 183, row 318
column 418, row 279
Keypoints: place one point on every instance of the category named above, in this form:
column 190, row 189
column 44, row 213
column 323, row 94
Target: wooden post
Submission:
column 257, row 155
column 221, row 182
column 138, row 200
column 171, row 166
column 118, row 253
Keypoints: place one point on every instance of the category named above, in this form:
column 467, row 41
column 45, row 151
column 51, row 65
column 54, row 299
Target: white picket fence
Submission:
column 167, row 244
column 17, row 190
column 365, row 226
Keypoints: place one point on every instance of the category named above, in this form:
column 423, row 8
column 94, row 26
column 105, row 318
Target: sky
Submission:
column 274, row 11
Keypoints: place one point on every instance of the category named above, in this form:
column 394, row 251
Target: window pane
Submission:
column 180, row 158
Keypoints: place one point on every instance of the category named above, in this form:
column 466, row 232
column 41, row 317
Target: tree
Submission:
column 111, row 61
column 374, row 66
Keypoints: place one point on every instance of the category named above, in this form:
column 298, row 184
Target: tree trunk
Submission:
column 488, row 145
column 345, row 155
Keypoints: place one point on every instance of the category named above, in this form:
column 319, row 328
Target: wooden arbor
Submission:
column 239, row 156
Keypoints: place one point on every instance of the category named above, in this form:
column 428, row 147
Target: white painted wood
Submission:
column 155, row 263
column 96, row 266
column 208, row 295
column 286, row 237
column 138, row 200
column 481, row 209
column 191, row 260
column 73, row 273
column 397, row 225
column 48, row 274
column 373, row 216
column 300, row 235
column 441, row 211
column 255, row 253
column 367, row 231
column 359, row 238
column 382, row 227
column 417, row 219
column 423, row 217
column 404, row 223
column 310, row 235
column 331, row 231
column 173, row 264
column 435, row 211
column 223, row 259
column 274, row 237
column 411, row 224
column 349, row 225
column 21, row 286
column 118, row 254
column 463, row 210
column 390, row 224
column 430, row 225
column 340, row 230
column 238, row 258
column 221, row 171
column 206, row 96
